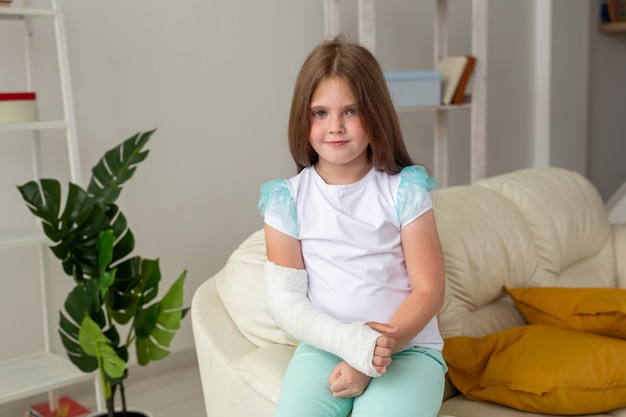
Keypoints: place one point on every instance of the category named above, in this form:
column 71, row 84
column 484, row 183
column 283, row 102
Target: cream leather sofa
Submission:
column 535, row 227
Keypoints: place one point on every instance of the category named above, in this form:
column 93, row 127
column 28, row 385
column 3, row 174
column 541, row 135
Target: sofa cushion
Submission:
column 530, row 228
column 568, row 223
column 486, row 245
column 595, row 310
column 240, row 285
column 540, row 369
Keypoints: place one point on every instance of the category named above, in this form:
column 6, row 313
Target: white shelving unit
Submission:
column 367, row 21
column 478, row 105
column 44, row 371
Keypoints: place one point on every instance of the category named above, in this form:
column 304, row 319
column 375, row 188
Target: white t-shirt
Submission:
column 350, row 237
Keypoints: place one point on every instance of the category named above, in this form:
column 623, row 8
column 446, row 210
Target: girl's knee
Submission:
column 305, row 391
column 413, row 387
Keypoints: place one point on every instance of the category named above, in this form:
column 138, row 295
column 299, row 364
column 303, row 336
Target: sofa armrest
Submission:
column 619, row 239
column 212, row 326
column 263, row 369
column 220, row 348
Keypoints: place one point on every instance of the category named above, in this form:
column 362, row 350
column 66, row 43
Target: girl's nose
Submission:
column 336, row 125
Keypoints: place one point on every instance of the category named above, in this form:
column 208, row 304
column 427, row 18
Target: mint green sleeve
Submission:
column 413, row 198
column 278, row 207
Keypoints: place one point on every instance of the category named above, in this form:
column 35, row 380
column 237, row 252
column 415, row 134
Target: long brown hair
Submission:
column 360, row 70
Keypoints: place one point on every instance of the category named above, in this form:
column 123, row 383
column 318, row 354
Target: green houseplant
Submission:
column 114, row 292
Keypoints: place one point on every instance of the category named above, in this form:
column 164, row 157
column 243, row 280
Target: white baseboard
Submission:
column 616, row 206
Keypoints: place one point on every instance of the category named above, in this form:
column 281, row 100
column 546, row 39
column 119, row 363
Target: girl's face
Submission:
column 336, row 132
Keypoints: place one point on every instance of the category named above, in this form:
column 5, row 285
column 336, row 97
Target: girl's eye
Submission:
column 319, row 113
column 351, row 111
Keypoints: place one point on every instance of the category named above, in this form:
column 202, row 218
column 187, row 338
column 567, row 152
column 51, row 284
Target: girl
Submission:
column 354, row 264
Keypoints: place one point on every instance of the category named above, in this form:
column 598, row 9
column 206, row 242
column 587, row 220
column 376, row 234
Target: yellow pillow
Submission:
column 540, row 369
column 595, row 310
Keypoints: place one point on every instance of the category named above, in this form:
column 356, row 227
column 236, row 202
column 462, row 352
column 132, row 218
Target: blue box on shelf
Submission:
column 414, row 88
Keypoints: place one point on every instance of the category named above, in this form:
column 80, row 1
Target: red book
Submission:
column 67, row 408
column 18, row 107
column 17, row 96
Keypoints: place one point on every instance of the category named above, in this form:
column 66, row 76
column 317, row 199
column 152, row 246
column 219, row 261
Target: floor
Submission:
column 167, row 388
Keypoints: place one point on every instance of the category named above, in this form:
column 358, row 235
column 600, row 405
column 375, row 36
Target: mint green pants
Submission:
column 412, row 386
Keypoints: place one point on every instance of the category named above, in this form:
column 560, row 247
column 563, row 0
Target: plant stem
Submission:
column 106, row 391
column 130, row 338
column 123, row 397
column 110, row 407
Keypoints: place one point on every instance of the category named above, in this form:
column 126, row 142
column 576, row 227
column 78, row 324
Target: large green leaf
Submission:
column 173, row 298
column 142, row 290
column 79, row 213
column 116, row 167
column 96, row 344
column 123, row 296
column 106, row 239
column 87, row 213
column 148, row 351
column 156, row 325
column 125, row 241
column 106, row 276
column 136, row 285
column 75, row 231
column 82, row 222
column 82, row 301
column 43, row 200
column 148, row 287
column 146, row 320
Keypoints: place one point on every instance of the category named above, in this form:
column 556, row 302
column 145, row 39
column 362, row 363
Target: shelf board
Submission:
column 35, row 374
column 25, row 12
column 464, row 106
column 22, row 236
column 613, row 27
column 44, row 125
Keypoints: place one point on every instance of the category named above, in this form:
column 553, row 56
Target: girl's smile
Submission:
column 337, row 142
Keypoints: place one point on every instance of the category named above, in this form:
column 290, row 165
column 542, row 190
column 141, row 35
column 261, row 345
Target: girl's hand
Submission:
column 347, row 382
column 384, row 345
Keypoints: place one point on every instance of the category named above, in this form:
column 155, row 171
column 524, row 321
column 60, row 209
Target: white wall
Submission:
column 215, row 78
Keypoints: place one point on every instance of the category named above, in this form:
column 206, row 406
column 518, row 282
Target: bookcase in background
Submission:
column 612, row 16
column 44, row 371
column 478, row 103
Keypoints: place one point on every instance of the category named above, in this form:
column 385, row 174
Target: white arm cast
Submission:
column 288, row 304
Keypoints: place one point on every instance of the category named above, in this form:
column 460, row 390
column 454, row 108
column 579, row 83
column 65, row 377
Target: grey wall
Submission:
column 606, row 143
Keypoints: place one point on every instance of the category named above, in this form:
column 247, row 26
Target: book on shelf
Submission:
column 18, row 107
column 455, row 74
column 67, row 408
column 616, row 10
column 451, row 68
column 459, row 95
